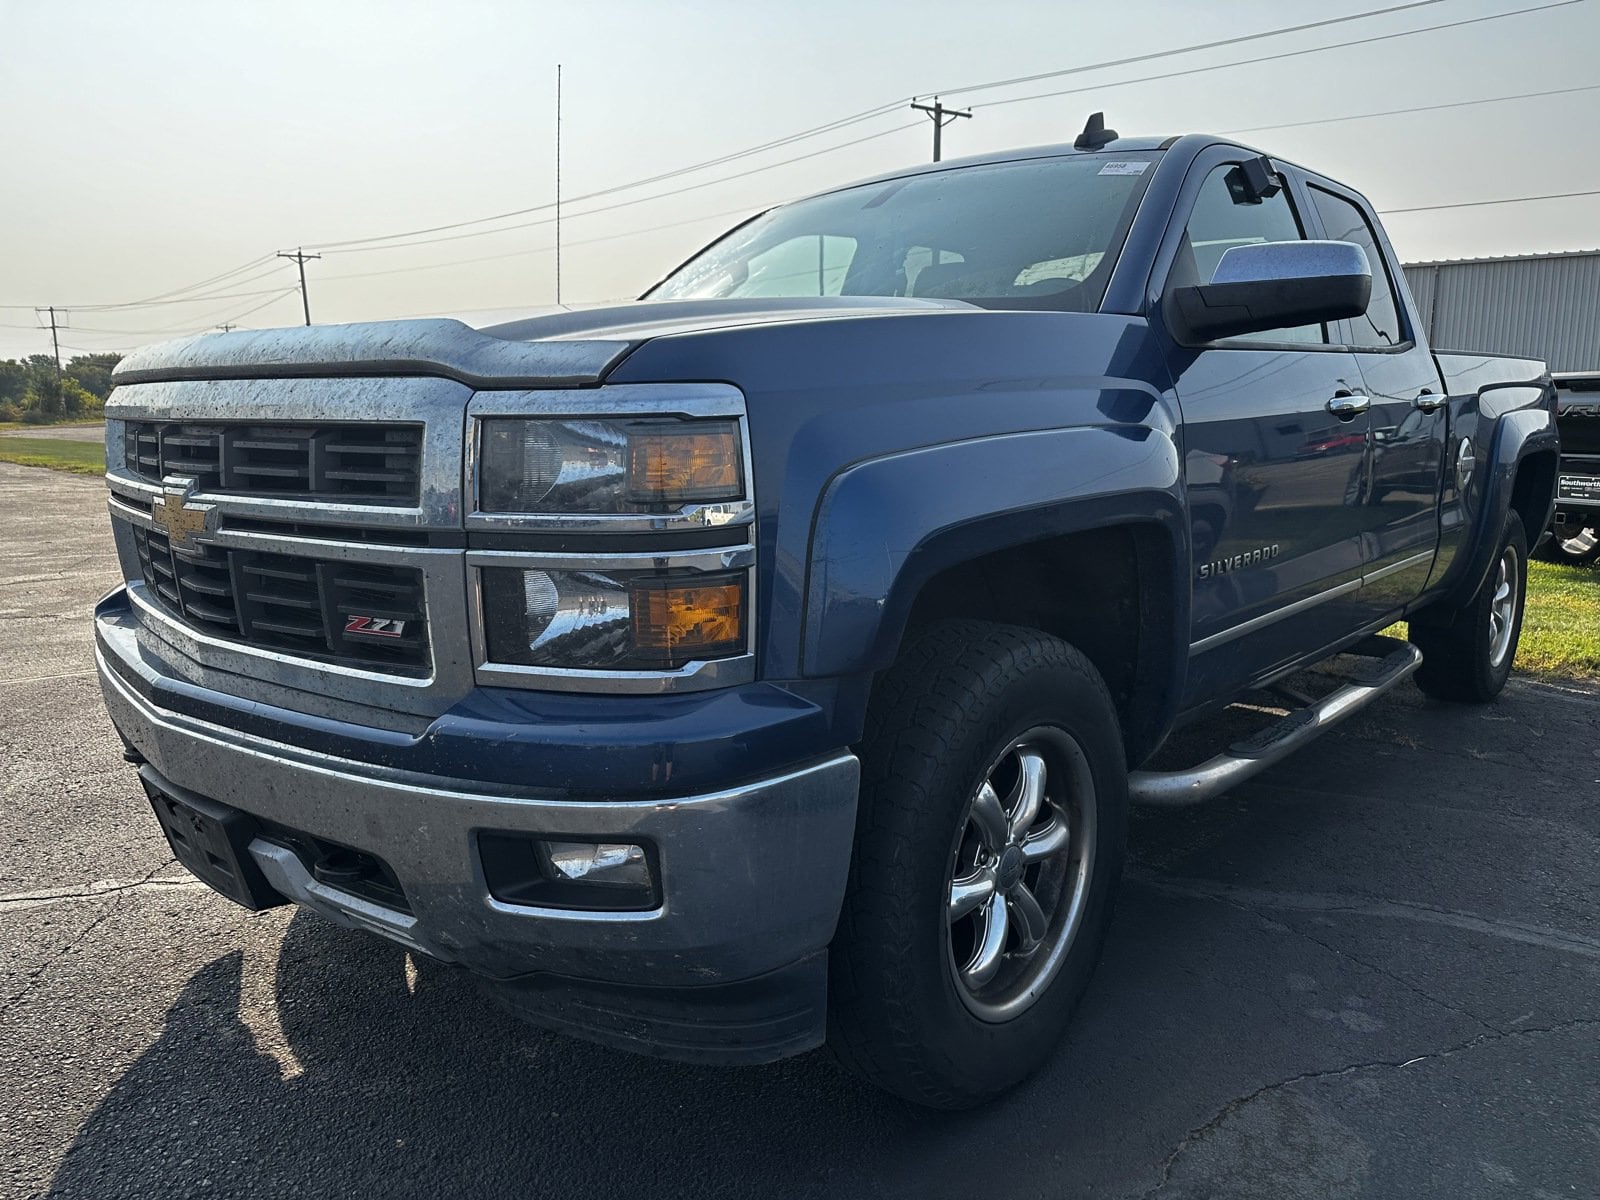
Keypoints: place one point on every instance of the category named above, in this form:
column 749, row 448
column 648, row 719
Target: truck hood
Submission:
column 555, row 348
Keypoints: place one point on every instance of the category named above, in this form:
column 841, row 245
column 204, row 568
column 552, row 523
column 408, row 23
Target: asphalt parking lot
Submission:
column 1374, row 971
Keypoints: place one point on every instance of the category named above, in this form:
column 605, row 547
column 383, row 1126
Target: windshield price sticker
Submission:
column 1124, row 168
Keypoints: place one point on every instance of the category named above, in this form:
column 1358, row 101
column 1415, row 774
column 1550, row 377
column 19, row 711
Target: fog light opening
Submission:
column 610, row 864
column 591, row 875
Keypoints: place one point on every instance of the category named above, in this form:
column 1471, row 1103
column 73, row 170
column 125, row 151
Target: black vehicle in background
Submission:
column 1575, row 529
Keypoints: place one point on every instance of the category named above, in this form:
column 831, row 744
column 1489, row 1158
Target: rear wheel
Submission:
column 1574, row 543
column 1469, row 660
column 989, row 843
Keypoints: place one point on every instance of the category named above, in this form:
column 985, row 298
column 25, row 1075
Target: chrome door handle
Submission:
column 1429, row 402
column 1348, row 405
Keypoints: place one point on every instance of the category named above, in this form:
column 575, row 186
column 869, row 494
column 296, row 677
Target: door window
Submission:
column 1225, row 215
column 1345, row 222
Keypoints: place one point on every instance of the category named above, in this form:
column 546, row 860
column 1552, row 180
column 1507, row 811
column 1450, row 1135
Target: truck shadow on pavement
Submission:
column 365, row 1084
column 384, row 1088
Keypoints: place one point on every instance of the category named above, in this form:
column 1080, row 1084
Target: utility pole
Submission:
column 558, row 185
column 55, row 340
column 942, row 116
column 300, row 257
column 55, row 346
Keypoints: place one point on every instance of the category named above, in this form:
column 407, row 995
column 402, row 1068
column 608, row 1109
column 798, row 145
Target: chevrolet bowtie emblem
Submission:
column 181, row 518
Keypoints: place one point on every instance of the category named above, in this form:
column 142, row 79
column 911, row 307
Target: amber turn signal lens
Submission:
column 684, row 622
column 701, row 461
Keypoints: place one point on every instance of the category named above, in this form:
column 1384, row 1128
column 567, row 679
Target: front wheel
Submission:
column 1469, row 660
column 989, row 845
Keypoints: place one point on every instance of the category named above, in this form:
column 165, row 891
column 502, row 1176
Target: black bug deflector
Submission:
column 442, row 348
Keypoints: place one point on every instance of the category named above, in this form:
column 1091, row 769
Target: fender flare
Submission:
column 884, row 527
column 1518, row 435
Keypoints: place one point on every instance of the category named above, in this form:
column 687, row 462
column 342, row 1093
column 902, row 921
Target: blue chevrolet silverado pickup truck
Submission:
column 774, row 659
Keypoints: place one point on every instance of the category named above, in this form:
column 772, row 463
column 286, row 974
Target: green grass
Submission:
column 1561, row 627
column 59, row 454
column 1560, row 624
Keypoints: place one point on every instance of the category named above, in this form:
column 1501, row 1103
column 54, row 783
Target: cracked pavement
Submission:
column 1372, row 971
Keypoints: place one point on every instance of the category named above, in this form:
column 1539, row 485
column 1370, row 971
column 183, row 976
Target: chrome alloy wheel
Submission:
column 1020, row 873
column 1503, row 606
column 1576, row 541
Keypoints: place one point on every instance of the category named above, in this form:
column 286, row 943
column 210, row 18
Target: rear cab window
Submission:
column 1380, row 327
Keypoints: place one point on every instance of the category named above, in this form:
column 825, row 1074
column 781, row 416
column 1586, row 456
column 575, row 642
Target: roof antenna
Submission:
column 1095, row 134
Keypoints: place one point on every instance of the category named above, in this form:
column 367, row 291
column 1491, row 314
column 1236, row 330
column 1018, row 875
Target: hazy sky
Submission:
column 151, row 145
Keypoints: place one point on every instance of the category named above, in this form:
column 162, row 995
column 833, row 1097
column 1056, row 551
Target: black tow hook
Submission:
column 341, row 869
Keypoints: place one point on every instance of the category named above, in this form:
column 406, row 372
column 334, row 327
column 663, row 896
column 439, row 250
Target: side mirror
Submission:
column 1276, row 285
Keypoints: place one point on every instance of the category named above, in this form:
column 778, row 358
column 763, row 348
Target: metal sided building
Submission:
column 1544, row 306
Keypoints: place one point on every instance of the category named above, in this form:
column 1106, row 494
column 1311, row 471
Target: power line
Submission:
column 239, row 270
column 1485, row 203
column 202, row 321
column 1139, row 58
column 742, row 210
column 166, row 303
column 1265, row 58
column 814, row 131
column 196, row 298
column 164, row 297
column 456, row 237
column 1397, row 112
column 239, row 316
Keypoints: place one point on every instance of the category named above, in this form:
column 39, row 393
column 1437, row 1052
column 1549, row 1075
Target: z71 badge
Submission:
column 1249, row 558
column 385, row 627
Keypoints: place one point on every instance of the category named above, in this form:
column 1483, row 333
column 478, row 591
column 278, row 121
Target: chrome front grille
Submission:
column 368, row 463
column 361, row 614
column 327, row 556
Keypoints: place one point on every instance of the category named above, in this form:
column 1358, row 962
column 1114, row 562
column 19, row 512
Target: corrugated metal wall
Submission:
column 1547, row 307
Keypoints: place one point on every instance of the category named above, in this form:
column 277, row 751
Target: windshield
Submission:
column 1036, row 234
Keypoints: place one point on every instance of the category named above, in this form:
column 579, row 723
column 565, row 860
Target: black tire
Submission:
column 1572, row 545
column 1459, row 659
column 900, row 1007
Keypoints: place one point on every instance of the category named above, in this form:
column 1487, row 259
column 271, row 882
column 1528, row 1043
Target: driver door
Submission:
column 1276, row 480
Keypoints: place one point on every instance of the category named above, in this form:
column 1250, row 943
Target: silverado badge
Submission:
column 181, row 518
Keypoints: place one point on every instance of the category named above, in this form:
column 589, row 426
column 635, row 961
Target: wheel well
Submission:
column 1531, row 492
column 1106, row 591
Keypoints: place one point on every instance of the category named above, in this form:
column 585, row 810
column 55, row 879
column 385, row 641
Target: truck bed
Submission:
column 1466, row 374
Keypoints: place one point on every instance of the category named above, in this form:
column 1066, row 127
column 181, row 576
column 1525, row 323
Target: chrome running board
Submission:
column 1252, row 755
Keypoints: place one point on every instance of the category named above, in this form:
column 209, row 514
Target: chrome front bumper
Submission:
column 751, row 878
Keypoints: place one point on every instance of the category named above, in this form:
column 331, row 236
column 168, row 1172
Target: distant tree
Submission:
column 79, row 401
column 13, row 381
column 93, row 372
column 42, row 402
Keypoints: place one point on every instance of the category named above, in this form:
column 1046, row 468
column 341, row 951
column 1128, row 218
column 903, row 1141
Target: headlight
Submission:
column 626, row 620
column 599, row 466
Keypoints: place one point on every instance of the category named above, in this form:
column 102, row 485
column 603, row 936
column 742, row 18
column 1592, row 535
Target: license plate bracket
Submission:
column 212, row 841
